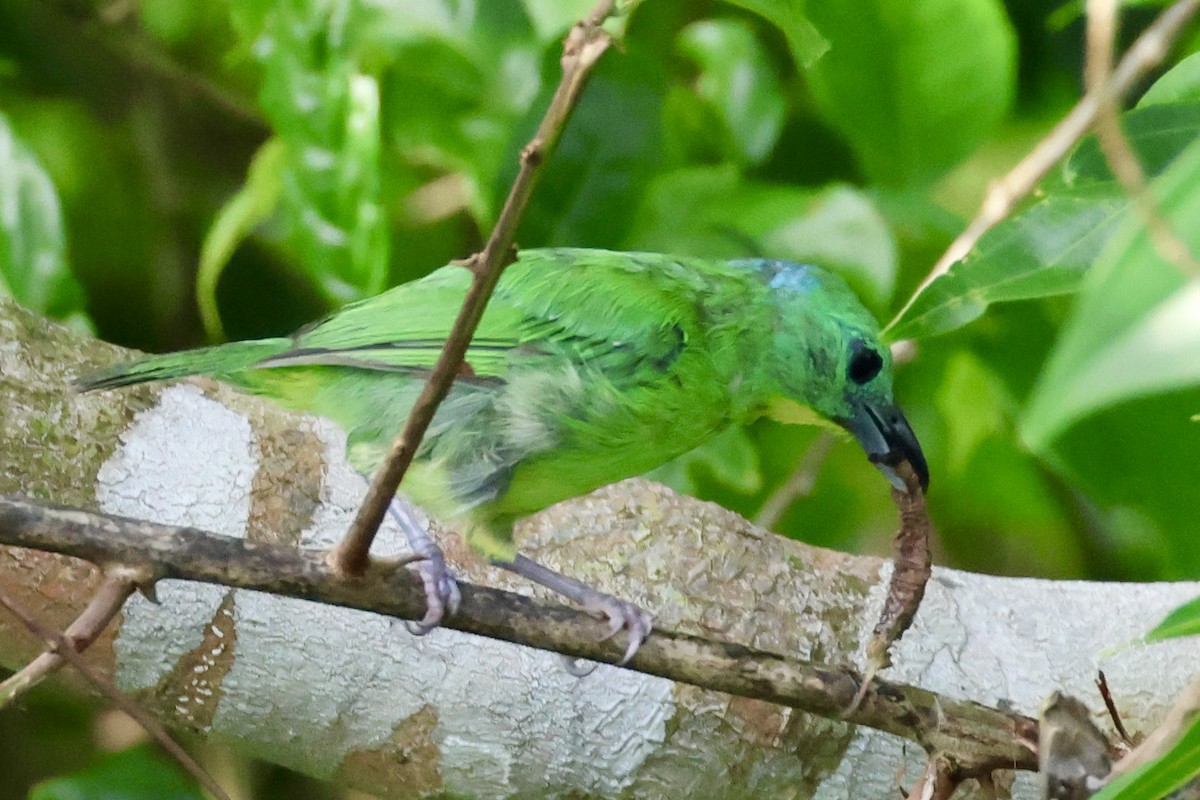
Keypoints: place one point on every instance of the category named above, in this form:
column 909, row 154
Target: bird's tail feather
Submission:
column 221, row 361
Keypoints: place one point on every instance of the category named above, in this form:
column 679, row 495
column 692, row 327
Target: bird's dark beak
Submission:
column 884, row 433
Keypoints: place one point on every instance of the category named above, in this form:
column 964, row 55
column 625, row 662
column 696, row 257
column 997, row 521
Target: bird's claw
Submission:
column 442, row 596
column 623, row 615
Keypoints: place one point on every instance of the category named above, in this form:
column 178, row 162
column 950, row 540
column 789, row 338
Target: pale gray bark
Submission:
column 352, row 696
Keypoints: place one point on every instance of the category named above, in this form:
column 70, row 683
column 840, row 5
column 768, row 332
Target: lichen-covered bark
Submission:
column 350, row 695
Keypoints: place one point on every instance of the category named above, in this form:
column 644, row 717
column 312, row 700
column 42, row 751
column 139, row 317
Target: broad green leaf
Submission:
column 446, row 108
column 134, row 774
column 1046, row 249
column 913, row 86
column 998, row 511
column 363, row 93
column 245, row 211
column 33, row 265
column 805, row 41
column 1136, row 331
column 359, row 187
column 1043, row 251
column 1181, row 84
column 1157, row 133
column 1159, row 778
column 1183, row 621
column 313, row 93
column 737, row 81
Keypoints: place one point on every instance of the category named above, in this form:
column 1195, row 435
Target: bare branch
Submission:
column 1101, row 35
column 1003, row 195
column 63, row 647
column 583, row 47
column 975, row 737
column 103, row 607
column 1178, row 721
column 1111, row 706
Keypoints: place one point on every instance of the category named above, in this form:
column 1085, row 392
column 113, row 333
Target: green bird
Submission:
column 588, row 366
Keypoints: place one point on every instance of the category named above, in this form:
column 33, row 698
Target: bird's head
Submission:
column 828, row 359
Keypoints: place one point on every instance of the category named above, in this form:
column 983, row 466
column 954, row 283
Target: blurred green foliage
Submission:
column 131, row 774
column 174, row 171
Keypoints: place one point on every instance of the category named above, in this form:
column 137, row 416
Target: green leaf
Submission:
column 33, row 266
column 913, row 86
column 1136, row 330
column 1046, row 249
column 359, row 187
column 1183, row 621
column 1159, row 778
column 1043, row 251
column 736, row 80
column 237, row 219
column 133, row 774
column 1158, row 134
column 804, row 40
column 1181, row 84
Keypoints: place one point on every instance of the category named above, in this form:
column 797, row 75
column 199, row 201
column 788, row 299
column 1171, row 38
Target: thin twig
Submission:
column 799, row 484
column 583, row 47
column 1003, row 195
column 1101, row 36
column 1111, row 705
column 978, row 738
column 937, row 782
column 1175, row 724
column 105, row 604
column 62, row 646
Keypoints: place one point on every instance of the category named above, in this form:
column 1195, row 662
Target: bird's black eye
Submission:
column 865, row 364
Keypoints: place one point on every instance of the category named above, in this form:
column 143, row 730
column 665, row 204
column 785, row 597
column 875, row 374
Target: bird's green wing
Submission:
column 615, row 311
column 403, row 330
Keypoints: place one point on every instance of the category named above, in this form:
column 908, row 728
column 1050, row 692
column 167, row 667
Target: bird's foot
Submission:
column 442, row 596
column 427, row 560
column 622, row 615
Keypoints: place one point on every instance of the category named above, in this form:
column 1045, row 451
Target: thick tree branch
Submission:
column 975, row 738
column 342, row 694
column 584, row 46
